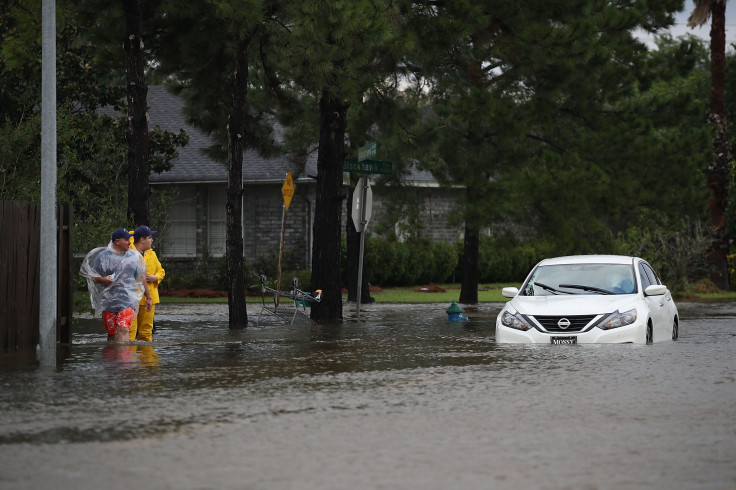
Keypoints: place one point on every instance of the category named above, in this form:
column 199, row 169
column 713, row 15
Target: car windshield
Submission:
column 581, row 279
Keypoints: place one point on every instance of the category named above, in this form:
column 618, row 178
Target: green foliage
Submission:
column 20, row 157
column 562, row 116
column 611, row 166
column 393, row 263
column 551, row 116
column 203, row 73
column 304, row 278
column 334, row 46
column 503, row 259
column 676, row 250
column 92, row 164
column 380, row 260
column 444, row 261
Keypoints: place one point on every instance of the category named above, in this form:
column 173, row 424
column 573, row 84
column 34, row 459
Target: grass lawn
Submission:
column 487, row 293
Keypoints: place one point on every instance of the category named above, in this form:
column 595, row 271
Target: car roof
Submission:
column 589, row 259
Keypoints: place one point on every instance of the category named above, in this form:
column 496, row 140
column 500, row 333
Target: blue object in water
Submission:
column 455, row 313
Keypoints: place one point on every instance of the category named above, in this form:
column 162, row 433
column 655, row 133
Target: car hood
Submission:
column 588, row 304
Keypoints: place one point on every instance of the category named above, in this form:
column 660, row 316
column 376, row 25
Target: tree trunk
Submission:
column 353, row 253
column 137, row 132
column 718, row 172
column 327, row 217
column 469, row 283
column 238, row 315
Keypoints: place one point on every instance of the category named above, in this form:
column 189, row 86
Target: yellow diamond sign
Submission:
column 287, row 190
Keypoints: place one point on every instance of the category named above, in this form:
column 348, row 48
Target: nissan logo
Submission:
column 563, row 323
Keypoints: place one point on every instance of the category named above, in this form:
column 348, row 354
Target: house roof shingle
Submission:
column 192, row 165
column 166, row 110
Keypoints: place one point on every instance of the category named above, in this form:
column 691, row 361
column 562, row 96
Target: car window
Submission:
column 646, row 281
column 581, row 279
column 653, row 277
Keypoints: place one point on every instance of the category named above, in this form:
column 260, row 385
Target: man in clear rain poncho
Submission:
column 116, row 281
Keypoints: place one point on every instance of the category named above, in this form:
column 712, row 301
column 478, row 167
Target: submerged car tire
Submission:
column 650, row 336
column 675, row 330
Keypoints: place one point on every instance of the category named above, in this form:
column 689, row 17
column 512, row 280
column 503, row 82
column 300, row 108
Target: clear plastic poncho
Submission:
column 125, row 270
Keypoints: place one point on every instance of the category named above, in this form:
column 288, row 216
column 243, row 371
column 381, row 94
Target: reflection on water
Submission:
column 126, row 356
column 196, row 358
column 401, row 377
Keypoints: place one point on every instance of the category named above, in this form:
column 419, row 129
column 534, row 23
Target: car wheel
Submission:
column 650, row 337
column 675, row 330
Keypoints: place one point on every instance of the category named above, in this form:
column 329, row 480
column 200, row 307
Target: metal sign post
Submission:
column 363, row 200
column 361, row 214
column 48, row 253
column 287, row 191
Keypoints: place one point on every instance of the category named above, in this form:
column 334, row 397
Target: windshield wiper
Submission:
column 550, row 288
column 587, row 288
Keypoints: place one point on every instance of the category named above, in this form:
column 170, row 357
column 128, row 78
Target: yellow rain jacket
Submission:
column 142, row 327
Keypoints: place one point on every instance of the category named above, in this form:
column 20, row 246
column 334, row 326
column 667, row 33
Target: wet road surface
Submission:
column 401, row 398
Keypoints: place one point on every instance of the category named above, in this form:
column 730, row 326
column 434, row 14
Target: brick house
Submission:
column 195, row 224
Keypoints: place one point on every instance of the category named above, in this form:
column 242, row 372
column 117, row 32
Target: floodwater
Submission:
column 400, row 399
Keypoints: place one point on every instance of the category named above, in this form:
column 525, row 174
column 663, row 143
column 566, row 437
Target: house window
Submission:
column 181, row 236
column 216, row 221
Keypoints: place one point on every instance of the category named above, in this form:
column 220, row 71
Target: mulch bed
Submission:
column 193, row 293
column 431, row 288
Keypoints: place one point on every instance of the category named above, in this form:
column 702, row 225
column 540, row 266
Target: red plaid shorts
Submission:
column 111, row 320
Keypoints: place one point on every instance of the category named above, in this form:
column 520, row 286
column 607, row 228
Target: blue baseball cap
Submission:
column 120, row 233
column 143, row 231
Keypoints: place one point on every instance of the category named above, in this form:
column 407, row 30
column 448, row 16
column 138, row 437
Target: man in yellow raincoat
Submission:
column 142, row 327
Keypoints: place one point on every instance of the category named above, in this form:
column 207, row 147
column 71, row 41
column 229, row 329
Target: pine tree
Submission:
column 332, row 55
column 718, row 171
column 92, row 154
column 518, row 84
column 137, row 133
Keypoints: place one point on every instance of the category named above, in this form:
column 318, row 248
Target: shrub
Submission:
column 393, row 263
column 304, row 277
column 677, row 253
column 503, row 259
column 379, row 260
column 417, row 257
column 445, row 259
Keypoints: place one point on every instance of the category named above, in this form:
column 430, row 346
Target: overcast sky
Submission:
column 680, row 28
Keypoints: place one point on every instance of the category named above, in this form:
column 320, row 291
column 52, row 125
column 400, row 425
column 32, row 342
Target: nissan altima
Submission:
column 589, row 299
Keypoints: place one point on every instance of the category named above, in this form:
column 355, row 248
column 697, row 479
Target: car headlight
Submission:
column 616, row 319
column 513, row 321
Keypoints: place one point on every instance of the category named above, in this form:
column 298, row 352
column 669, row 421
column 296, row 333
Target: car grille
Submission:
column 577, row 322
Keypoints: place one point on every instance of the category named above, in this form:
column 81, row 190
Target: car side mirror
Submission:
column 509, row 292
column 655, row 290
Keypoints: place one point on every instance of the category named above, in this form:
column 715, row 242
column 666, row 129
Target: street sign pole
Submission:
column 363, row 187
column 362, row 207
column 363, row 201
column 287, row 191
column 281, row 252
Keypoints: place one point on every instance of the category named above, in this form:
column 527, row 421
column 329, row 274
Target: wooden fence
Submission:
column 20, row 275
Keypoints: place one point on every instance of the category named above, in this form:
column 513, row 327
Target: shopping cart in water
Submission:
column 301, row 300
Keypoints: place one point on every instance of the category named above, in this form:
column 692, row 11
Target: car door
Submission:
column 657, row 304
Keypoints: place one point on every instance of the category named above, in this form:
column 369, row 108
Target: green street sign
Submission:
column 366, row 152
column 368, row 166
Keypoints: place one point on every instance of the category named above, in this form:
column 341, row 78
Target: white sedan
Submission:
column 589, row 299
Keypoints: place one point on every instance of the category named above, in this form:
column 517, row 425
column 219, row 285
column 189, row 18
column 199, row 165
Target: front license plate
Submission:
column 564, row 340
